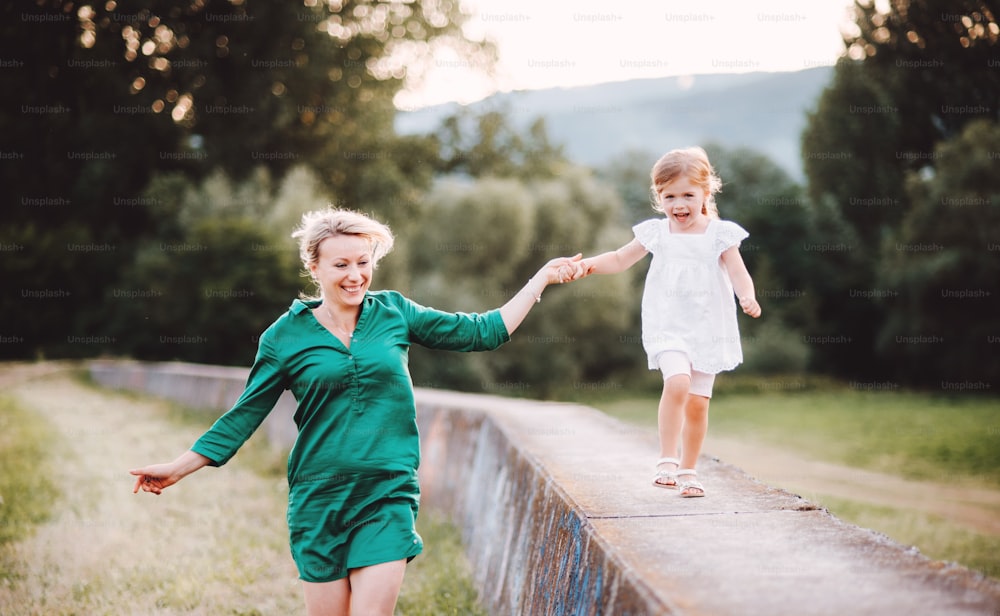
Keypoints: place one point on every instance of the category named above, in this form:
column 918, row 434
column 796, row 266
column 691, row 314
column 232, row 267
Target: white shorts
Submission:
column 672, row 363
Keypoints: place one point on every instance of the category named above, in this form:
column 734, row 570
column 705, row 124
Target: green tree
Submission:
column 780, row 255
column 488, row 144
column 206, row 298
column 942, row 269
column 478, row 244
column 629, row 174
column 215, row 275
column 915, row 74
column 100, row 98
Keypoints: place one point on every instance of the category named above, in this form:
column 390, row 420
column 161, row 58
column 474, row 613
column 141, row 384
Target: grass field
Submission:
column 907, row 434
column 935, row 537
column 26, row 487
column 216, row 544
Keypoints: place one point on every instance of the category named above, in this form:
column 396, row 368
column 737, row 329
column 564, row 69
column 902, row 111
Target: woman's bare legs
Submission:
column 374, row 589
column 328, row 598
column 366, row 591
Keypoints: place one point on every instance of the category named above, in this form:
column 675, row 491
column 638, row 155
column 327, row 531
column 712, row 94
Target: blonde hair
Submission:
column 319, row 225
column 690, row 163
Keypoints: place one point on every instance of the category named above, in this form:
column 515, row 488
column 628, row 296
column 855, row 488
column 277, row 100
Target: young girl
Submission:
column 689, row 328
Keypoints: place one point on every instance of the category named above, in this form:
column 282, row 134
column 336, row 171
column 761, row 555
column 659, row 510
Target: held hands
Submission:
column 750, row 306
column 564, row 269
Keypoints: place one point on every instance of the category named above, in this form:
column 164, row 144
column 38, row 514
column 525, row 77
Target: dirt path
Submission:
column 107, row 551
column 977, row 509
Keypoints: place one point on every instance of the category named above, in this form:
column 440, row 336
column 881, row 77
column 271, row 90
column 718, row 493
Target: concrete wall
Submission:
column 558, row 517
column 199, row 386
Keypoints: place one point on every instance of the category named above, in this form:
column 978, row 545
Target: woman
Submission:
column 352, row 474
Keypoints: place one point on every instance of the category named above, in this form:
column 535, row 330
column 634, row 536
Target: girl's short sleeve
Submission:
column 648, row 234
column 727, row 235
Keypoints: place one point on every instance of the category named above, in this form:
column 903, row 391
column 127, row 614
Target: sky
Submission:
column 565, row 43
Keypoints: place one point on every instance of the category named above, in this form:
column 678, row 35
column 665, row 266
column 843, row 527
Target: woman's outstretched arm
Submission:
column 155, row 477
column 556, row 271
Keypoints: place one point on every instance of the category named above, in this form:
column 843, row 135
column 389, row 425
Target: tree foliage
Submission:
column 487, row 144
column 943, row 270
column 916, row 74
column 477, row 245
column 102, row 98
column 762, row 198
column 221, row 266
column 629, row 174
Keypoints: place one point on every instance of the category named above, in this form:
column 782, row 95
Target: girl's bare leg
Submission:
column 695, row 429
column 693, row 434
column 670, row 414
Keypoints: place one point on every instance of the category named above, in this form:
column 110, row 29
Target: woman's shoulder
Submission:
column 389, row 301
column 298, row 307
column 284, row 326
column 387, row 297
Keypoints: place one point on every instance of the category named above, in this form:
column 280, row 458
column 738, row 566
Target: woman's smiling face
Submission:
column 344, row 269
column 683, row 202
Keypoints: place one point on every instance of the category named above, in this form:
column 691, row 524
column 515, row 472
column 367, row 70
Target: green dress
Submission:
column 352, row 473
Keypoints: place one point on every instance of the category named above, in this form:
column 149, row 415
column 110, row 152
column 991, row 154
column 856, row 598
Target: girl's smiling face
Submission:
column 344, row 269
column 683, row 202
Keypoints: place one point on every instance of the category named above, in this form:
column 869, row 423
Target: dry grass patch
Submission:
column 215, row 544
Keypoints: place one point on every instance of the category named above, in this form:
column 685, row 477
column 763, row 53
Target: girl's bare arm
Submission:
column 615, row 261
column 742, row 283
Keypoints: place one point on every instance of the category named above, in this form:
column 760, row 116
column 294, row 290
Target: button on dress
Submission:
column 352, row 473
column 688, row 303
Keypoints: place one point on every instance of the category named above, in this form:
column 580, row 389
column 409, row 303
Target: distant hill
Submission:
column 763, row 111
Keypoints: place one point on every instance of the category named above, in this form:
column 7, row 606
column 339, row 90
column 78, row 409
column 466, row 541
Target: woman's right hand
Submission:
column 154, row 478
column 157, row 477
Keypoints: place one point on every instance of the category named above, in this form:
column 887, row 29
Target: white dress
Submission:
column 688, row 303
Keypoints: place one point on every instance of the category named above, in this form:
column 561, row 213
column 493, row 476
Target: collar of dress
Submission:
column 299, row 305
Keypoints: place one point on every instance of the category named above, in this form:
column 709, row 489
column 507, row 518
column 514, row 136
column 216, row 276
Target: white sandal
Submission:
column 687, row 485
column 669, row 475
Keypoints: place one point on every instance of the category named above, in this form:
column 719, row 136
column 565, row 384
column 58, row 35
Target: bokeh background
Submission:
column 157, row 155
